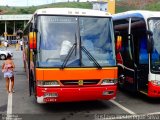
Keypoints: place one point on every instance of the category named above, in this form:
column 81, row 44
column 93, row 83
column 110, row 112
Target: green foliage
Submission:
column 32, row 9
column 153, row 7
column 125, row 5
column 124, row 8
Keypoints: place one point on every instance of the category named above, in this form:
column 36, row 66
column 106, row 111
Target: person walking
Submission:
column 8, row 69
column 21, row 44
column 19, row 36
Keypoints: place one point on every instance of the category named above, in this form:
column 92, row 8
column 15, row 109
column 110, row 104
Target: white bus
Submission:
column 70, row 54
column 138, row 56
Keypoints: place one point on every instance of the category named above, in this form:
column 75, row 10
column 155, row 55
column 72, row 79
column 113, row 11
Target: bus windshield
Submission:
column 154, row 25
column 61, row 39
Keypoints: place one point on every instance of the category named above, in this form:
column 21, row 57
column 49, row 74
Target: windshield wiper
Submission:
column 68, row 56
column 91, row 58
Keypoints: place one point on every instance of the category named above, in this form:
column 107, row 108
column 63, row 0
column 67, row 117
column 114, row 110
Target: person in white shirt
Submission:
column 21, row 44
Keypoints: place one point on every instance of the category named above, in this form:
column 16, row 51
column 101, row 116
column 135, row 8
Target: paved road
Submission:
column 24, row 107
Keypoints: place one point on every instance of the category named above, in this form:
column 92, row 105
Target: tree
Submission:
column 138, row 4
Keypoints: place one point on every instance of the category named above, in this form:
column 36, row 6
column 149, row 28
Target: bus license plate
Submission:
column 50, row 99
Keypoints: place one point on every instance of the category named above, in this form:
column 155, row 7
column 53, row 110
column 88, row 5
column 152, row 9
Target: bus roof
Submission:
column 136, row 13
column 72, row 11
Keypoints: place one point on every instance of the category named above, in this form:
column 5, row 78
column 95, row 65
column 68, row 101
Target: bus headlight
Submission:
column 109, row 81
column 155, row 82
column 42, row 83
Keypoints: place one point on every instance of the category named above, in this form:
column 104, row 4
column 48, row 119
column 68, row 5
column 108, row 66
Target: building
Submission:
column 14, row 19
column 104, row 5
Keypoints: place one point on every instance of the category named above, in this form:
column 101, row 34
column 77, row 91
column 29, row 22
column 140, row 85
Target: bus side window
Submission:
column 143, row 55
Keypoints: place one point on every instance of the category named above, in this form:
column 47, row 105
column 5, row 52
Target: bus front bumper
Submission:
column 47, row 95
column 153, row 90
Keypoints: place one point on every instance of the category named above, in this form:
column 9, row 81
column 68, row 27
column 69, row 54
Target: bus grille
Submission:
column 80, row 82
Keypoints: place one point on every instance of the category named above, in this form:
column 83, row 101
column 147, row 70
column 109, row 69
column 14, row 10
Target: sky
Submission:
column 32, row 2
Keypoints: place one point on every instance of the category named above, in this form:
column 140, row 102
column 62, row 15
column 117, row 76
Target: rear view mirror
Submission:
column 149, row 41
column 32, row 40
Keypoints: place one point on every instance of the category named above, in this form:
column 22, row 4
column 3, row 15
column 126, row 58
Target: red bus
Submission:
column 69, row 55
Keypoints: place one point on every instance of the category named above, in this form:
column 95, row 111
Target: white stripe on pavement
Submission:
column 122, row 107
column 9, row 105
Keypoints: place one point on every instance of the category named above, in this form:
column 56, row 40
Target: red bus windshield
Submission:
column 87, row 41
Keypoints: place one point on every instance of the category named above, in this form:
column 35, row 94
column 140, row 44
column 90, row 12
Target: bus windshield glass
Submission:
column 154, row 25
column 61, row 39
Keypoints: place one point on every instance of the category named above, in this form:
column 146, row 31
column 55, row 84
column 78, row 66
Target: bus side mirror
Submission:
column 119, row 43
column 150, row 41
column 32, row 40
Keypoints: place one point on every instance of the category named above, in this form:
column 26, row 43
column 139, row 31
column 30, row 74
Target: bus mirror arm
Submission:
column 150, row 41
column 150, row 44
